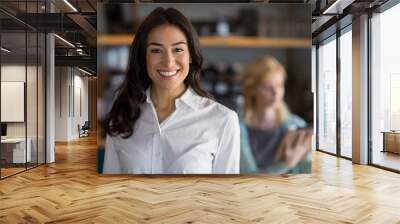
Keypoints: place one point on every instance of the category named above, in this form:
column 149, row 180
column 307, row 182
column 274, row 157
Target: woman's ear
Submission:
column 190, row 60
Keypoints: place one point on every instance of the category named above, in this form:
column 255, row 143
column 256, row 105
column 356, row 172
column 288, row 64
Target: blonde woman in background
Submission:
column 270, row 139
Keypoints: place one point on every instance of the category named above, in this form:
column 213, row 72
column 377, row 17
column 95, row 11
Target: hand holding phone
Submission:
column 295, row 145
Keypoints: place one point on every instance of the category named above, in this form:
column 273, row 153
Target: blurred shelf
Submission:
column 245, row 42
column 217, row 41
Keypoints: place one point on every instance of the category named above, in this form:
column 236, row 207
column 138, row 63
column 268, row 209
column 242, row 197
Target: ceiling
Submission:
column 76, row 24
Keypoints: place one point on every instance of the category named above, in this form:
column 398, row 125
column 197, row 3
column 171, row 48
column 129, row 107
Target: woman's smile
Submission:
column 168, row 73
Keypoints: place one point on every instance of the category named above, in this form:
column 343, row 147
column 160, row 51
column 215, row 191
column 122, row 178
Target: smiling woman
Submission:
column 162, row 122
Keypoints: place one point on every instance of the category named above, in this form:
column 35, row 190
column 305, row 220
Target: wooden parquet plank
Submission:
column 70, row 191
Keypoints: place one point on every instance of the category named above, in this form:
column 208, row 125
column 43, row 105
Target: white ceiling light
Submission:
column 70, row 5
column 79, row 51
column 86, row 72
column 64, row 40
column 338, row 6
column 5, row 49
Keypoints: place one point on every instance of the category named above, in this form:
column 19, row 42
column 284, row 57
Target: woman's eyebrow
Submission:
column 158, row 44
column 154, row 43
column 180, row 42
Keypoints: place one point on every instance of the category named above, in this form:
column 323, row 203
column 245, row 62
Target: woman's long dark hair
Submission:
column 131, row 94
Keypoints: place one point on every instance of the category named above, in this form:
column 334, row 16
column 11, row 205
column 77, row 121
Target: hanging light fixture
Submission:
column 84, row 71
column 5, row 50
column 70, row 5
column 64, row 40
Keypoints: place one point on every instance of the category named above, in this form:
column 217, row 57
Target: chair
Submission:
column 84, row 130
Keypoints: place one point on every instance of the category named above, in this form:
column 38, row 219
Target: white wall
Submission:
column 13, row 73
column 71, row 93
column 61, row 103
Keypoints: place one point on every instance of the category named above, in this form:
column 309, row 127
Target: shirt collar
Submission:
column 189, row 98
column 148, row 98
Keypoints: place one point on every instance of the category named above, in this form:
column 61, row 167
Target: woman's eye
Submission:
column 267, row 88
column 178, row 49
column 154, row 50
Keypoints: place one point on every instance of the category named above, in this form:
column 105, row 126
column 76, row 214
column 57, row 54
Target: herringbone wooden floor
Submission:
column 70, row 191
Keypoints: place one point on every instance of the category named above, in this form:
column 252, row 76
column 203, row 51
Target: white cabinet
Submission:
column 18, row 149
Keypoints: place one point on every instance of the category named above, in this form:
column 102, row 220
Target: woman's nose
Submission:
column 274, row 91
column 168, row 59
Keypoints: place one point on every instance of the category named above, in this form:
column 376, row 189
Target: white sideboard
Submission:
column 18, row 148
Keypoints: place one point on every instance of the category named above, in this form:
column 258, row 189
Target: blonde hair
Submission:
column 255, row 72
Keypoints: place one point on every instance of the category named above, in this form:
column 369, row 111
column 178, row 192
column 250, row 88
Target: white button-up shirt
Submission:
column 200, row 137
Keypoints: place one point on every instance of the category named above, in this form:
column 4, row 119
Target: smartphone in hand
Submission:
column 295, row 145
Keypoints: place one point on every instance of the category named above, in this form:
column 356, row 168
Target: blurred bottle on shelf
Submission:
column 222, row 27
